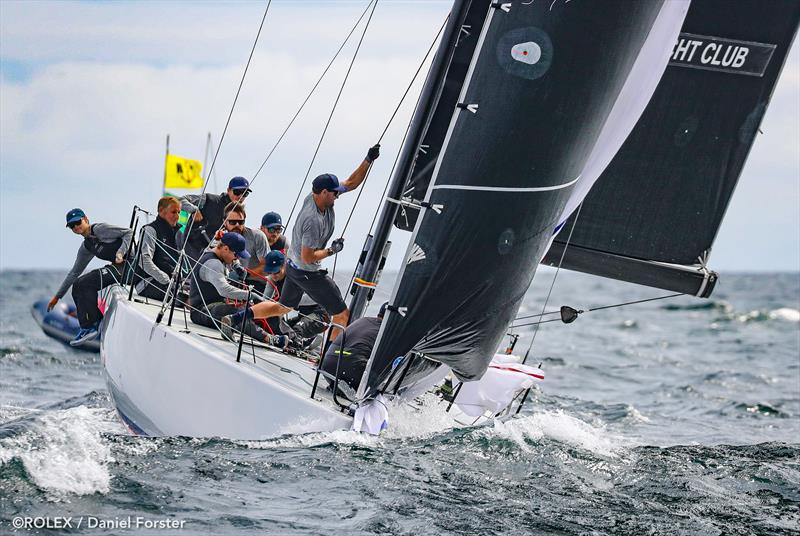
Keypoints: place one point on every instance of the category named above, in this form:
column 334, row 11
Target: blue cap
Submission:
column 239, row 183
column 236, row 243
column 273, row 262
column 271, row 219
column 328, row 181
column 75, row 215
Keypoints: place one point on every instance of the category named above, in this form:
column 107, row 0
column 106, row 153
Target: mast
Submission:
column 419, row 124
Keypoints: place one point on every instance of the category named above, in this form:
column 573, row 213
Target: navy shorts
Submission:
column 318, row 285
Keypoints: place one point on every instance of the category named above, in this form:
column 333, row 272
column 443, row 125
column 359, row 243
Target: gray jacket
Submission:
column 105, row 233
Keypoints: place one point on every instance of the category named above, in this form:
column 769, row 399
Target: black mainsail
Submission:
column 541, row 83
column 654, row 213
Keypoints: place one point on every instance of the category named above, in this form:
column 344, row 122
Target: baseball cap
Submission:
column 382, row 310
column 273, row 262
column 236, row 243
column 239, row 183
column 271, row 219
column 327, row 181
column 74, row 215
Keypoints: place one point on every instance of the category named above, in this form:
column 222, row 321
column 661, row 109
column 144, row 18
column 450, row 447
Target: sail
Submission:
column 542, row 82
column 653, row 214
column 428, row 150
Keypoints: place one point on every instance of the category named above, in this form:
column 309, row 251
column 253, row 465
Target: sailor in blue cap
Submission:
column 208, row 213
column 212, row 294
column 107, row 242
column 272, row 227
column 313, row 228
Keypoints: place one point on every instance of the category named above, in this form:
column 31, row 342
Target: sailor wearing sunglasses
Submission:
column 208, row 212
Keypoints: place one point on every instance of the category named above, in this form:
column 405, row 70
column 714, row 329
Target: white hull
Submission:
column 167, row 381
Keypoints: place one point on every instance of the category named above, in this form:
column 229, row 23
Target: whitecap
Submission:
column 559, row 426
column 63, row 451
column 786, row 314
column 423, row 418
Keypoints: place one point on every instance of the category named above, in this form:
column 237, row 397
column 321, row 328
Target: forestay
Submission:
column 653, row 214
column 542, row 81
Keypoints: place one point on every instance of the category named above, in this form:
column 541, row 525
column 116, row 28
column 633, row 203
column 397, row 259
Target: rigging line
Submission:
column 394, row 114
column 537, row 315
column 333, row 110
column 313, row 89
column 553, row 283
column 635, row 302
column 597, row 309
column 222, row 138
column 238, row 91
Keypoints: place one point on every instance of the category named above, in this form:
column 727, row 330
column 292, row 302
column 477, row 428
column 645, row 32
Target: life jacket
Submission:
column 201, row 290
column 106, row 251
column 164, row 254
column 213, row 212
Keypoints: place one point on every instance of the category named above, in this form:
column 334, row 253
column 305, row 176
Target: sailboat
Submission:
column 600, row 137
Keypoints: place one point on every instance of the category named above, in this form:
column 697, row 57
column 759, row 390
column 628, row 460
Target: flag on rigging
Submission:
column 182, row 173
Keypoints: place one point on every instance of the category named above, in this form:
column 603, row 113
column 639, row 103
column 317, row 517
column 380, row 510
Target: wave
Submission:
column 62, row 451
column 422, row 419
column 786, row 314
column 559, row 426
column 705, row 305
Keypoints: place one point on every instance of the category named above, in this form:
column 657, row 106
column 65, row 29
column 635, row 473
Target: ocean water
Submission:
column 673, row 416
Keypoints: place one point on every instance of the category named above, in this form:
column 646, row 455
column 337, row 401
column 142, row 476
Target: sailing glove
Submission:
column 337, row 245
column 373, row 153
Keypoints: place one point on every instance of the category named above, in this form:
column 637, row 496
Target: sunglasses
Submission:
column 74, row 224
column 335, row 193
column 277, row 229
column 239, row 191
column 235, row 222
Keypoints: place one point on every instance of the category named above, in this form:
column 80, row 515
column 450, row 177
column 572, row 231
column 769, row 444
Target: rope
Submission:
column 397, row 108
column 581, row 311
column 380, row 138
column 552, row 284
column 333, row 110
column 166, row 247
column 313, row 89
column 219, row 147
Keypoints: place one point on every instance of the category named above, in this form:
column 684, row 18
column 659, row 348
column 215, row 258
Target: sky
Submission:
column 89, row 91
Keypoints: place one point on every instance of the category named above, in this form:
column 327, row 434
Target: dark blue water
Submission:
column 675, row 416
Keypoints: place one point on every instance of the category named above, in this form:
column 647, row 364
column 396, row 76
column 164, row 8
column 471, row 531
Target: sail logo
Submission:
column 720, row 54
column 417, row 254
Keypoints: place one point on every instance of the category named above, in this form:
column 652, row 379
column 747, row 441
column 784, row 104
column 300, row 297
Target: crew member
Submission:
column 208, row 213
column 159, row 250
column 257, row 245
column 211, row 294
column 313, row 228
column 272, row 227
column 359, row 339
column 107, row 242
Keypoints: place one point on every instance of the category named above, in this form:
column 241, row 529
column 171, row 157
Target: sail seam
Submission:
column 505, row 188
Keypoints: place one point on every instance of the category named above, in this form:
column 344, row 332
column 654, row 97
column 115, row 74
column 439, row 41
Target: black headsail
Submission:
column 653, row 214
column 541, row 82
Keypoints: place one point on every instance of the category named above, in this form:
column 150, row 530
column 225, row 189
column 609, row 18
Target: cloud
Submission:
column 89, row 90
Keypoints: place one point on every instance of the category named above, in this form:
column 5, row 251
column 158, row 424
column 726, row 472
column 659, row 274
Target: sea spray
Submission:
column 64, row 451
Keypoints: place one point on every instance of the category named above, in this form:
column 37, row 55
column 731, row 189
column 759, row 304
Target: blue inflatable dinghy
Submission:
column 60, row 323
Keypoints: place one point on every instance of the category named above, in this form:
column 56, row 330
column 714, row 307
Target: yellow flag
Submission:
column 182, row 173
